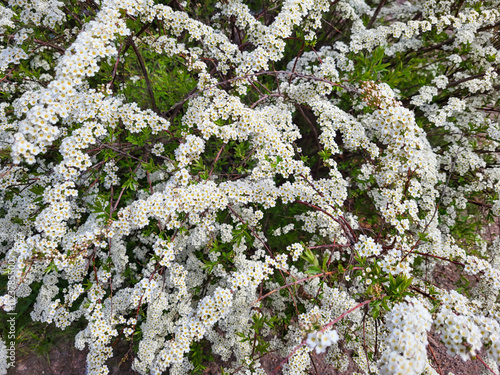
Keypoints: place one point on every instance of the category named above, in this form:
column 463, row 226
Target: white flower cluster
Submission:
column 110, row 176
column 459, row 333
column 165, row 251
column 475, row 265
column 6, row 15
column 11, row 55
column 407, row 324
column 425, row 96
column 366, row 247
column 296, row 250
column 321, row 340
column 190, row 150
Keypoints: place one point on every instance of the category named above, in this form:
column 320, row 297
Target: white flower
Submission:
column 320, row 341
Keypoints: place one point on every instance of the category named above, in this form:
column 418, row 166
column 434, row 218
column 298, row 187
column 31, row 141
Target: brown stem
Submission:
column 294, row 283
column 375, row 15
column 327, row 246
column 485, row 365
column 314, row 365
column 6, row 75
column 145, row 73
column 77, row 19
column 364, row 341
column 422, row 292
column 435, row 359
column 264, row 98
column 216, row 159
column 115, row 67
column 438, row 257
column 451, row 84
column 48, row 44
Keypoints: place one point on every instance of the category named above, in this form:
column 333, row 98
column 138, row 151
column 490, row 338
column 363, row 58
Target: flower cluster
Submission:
column 407, row 325
column 321, row 340
column 366, row 247
column 460, row 334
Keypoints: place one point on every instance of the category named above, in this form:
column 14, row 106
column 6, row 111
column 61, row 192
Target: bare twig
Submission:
column 435, row 359
column 146, row 76
column 375, row 15
column 293, row 283
column 485, row 365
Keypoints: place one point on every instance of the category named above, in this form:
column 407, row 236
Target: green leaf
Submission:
column 313, row 270
column 325, row 154
column 150, row 166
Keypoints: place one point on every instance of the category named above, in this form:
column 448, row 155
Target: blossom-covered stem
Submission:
column 322, row 330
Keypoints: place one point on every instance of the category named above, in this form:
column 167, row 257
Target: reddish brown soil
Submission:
column 64, row 359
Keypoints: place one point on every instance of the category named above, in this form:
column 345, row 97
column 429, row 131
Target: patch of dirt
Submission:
column 446, row 276
column 447, row 363
column 64, row 359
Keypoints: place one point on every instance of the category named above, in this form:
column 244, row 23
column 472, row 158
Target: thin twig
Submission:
column 435, row 359
column 293, row 283
column 216, row 159
column 485, row 365
column 145, row 73
column 375, row 15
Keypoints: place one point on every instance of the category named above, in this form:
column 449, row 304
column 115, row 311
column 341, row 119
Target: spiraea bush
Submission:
column 222, row 180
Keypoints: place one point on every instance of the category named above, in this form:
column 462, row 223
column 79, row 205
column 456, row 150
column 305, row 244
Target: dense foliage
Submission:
column 234, row 179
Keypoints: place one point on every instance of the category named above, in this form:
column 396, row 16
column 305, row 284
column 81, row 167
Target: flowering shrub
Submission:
column 245, row 178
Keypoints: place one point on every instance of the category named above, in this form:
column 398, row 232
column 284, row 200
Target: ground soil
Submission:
column 64, row 359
